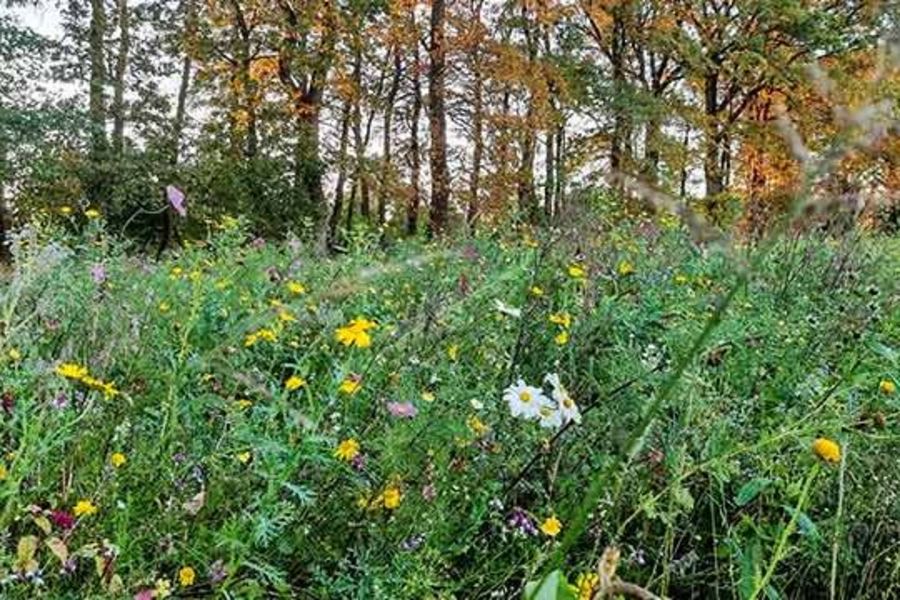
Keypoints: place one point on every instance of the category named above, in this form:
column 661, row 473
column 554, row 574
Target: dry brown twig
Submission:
column 610, row 586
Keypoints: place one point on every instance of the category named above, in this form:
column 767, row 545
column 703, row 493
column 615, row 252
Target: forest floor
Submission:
column 454, row 420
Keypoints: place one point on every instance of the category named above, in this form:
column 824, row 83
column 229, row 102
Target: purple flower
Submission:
column 358, row 462
column 176, row 199
column 520, row 521
column 98, row 273
column 145, row 594
column 405, row 410
column 258, row 242
column 217, row 572
column 60, row 402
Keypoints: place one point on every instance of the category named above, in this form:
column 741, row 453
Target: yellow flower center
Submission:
column 525, row 396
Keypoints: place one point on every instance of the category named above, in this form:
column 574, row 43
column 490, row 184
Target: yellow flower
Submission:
column 536, row 291
column 347, row 450
column 356, row 333
column 285, row 316
column 887, row 387
column 186, row 576
column 177, row 272
column 562, row 338
column 625, row 268
column 244, row 457
column 84, row 507
column 109, row 390
column 392, row 497
column 551, row 526
column 563, row 319
column 826, row 449
column 72, row 371
column 294, row 382
column 14, row 355
column 243, row 403
column 3, row 472
column 297, row 289
column 65, row 210
column 477, row 426
column 117, row 459
column 164, row 307
column 586, row 583
column 350, row 385
column 681, row 279
column 265, row 335
column 427, row 396
column 92, row 213
column 453, row 352
column 576, row 271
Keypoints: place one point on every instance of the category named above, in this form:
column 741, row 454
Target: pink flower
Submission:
column 62, row 519
column 98, row 273
column 176, row 199
column 147, row 594
column 405, row 410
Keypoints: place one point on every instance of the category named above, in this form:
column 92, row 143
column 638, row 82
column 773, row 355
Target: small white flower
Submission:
column 524, row 400
column 567, row 407
column 551, row 417
column 507, row 310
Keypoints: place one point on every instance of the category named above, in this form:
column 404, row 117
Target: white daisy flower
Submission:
column 567, row 407
column 524, row 400
column 551, row 416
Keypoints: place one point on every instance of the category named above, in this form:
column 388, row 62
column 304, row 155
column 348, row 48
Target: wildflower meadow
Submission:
column 483, row 418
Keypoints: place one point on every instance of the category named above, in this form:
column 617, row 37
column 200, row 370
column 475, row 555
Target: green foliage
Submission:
column 233, row 474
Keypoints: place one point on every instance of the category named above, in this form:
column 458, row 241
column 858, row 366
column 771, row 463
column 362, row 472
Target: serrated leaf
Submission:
column 683, row 498
column 751, row 490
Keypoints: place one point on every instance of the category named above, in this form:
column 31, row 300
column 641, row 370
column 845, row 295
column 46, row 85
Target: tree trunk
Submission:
column 440, row 179
column 342, row 174
column 560, row 168
column 184, row 86
column 474, row 207
column 618, row 144
column 97, row 105
column 308, row 165
column 358, row 144
column 412, row 203
column 549, row 172
column 385, row 186
column 525, row 180
column 118, row 107
column 712, row 164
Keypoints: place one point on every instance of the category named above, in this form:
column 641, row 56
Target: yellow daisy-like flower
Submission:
column 551, row 526
column 477, row 426
column 117, row 459
column 72, row 371
column 262, row 335
column 84, row 507
column 243, row 403
column 577, row 271
column 453, row 352
column 625, row 268
column 392, row 497
column 350, row 385
column 586, row 583
column 92, row 213
column 887, row 387
column 294, row 382
column 427, row 396
column 14, row 355
column 186, row 576
column 164, row 307
column 296, row 288
column 244, row 457
column 356, row 333
column 347, row 450
column 562, row 338
column 285, row 316
column 826, row 449
column 65, row 210
column 563, row 319
column 536, row 291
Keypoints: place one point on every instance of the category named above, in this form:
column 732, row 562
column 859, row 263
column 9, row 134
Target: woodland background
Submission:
column 324, row 116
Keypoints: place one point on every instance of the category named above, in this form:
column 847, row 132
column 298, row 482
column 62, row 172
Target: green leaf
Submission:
column 553, row 587
column 804, row 524
column 683, row 497
column 751, row 490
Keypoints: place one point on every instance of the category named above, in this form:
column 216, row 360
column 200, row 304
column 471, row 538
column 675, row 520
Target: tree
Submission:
column 440, row 176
